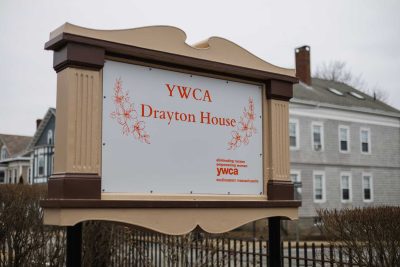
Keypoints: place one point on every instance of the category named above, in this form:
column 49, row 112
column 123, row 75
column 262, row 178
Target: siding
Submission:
column 43, row 138
column 383, row 163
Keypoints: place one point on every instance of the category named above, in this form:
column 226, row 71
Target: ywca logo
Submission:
column 227, row 171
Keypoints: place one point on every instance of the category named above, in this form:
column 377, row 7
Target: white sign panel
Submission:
column 167, row 132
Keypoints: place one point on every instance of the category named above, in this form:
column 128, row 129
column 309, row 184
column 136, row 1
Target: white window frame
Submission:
column 297, row 147
column 3, row 152
column 321, row 124
column 369, row 141
column 41, row 156
column 298, row 173
column 347, row 136
column 348, row 174
column 50, row 136
column 40, row 180
column 323, row 200
column 371, row 182
column 35, row 164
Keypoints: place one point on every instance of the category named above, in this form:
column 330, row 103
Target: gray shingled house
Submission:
column 14, row 159
column 345, row 147
column 42, row 148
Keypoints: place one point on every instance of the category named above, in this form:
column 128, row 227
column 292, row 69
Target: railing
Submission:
column 196, row 249
column 200, row 249
column 315, row 254
column 119, row 245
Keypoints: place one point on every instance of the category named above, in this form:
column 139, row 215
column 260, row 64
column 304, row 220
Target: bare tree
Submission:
column 338, row 71
column 24, row 239
column 369, row 236
column 334, row 71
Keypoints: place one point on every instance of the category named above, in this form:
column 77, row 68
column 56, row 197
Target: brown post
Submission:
column 78, row 143
column 74, row 246
column 274, row 242
column 279, row 187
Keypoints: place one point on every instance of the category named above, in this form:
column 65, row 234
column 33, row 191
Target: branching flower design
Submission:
column 125, row 114
column 245, row 129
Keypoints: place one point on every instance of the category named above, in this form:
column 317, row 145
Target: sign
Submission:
column 167, row 132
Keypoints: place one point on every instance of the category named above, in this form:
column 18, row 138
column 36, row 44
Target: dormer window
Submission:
column 356, row 95
column 3, row 153
column 335, row 91
column 50, row 137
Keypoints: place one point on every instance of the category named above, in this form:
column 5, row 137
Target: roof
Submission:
column 319, row 92
column 16, row 144
column 50, row 112
column 173, row 41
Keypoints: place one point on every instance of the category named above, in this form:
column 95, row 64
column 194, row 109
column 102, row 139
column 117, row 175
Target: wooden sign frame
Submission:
column 75, row 188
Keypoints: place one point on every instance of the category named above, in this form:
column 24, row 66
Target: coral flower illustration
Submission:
column 236, row 140
column 245, row 128
column 126, row 115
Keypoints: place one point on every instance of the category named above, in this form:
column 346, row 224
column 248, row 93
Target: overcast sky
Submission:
column 364, row 34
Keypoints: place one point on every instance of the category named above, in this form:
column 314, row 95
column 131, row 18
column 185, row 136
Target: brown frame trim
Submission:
column 279, row 90
column 280, row 190
column 74, row 186
column 78, row 55
column 164, row 58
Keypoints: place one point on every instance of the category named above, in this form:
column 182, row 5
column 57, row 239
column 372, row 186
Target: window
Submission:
column 335, row 91
column 345, row 185
column 41, row 165
column 317, row 130
column 294, row 134
column 2, row 177
column 319, row 186
column 3, row 154
column 356, row 95
column 367, row 187
column 52, row 165
column 344, row 138
column 296, row 179
column 50, row 137
column 365, row 139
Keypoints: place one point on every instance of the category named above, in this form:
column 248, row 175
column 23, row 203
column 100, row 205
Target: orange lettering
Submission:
column 183, row 92
column 207, row 95
column 229, row 171
column 194, row 93
column 149, row 108
column 170, row 89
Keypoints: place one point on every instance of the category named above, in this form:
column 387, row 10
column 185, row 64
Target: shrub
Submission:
column 370, row 236
column 24, row 240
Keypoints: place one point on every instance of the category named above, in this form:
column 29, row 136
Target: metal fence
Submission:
column 119, row 245
column 195, row 249
column 315, row 254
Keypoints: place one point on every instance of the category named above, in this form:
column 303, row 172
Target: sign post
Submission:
column 150, row 129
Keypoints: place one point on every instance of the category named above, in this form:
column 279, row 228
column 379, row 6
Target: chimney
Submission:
column 303, row 64
column 38, row 121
